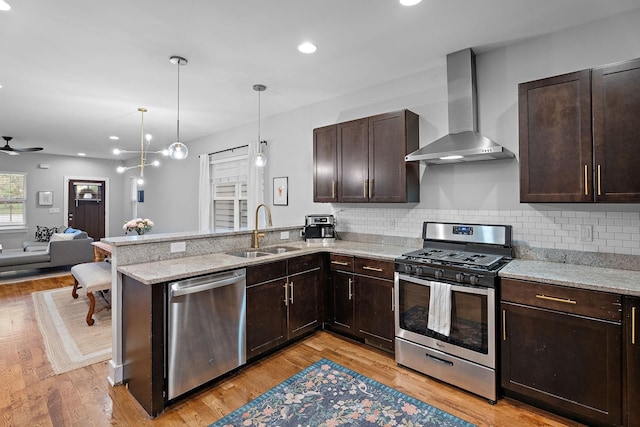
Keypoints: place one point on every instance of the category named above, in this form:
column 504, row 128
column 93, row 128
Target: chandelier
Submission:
column 143, row 153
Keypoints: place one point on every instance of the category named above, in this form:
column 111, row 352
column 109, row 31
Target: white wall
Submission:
column 52, row 179
column 481, row 192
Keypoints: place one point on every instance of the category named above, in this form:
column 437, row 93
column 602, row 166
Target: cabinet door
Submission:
column 266, row 316
column 353, row 161
column 303, row 300
column 374, row 310
column 562, row 362
column 325, row 164
column 343, row 301
column 391, row 137
column 616, row 134
column 631, row 408
column 556, row 154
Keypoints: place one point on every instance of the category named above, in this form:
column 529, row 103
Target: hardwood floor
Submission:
column 31, row 395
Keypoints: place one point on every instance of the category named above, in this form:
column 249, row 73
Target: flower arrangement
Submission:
column 138, row 225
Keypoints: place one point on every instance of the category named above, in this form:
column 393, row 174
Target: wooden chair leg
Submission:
column 74, row 292
column 92, row 306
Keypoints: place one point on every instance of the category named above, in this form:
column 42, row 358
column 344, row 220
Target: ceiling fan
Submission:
column 15, row 151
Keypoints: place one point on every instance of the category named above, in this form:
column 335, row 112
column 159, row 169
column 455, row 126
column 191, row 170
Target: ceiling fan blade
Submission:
column 24, row 150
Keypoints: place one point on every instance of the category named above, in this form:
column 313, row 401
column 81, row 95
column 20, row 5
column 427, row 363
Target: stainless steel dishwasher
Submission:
column 206, row 329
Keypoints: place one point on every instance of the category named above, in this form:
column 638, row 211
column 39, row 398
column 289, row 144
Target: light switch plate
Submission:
column 585, row 232
column 284, row 235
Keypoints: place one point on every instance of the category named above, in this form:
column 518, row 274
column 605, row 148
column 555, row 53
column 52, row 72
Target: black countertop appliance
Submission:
column 319, row 228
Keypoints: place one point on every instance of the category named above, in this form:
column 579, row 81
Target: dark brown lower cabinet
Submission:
column 283, row 302
column 566, row 361
column 631, row 401
column 361, row 299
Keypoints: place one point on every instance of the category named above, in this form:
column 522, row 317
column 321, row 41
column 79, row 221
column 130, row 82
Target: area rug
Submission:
column 328, row 394
column 69, row 342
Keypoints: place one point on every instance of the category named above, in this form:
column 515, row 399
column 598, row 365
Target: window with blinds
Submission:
column 13, row 197
column 229, row 192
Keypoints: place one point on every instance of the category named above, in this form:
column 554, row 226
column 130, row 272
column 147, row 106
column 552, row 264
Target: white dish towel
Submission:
column 440, row 308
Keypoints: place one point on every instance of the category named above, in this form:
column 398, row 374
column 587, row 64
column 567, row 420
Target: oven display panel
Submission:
column 463, row 229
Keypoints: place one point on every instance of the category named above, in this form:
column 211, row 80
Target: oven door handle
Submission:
column 437, row 359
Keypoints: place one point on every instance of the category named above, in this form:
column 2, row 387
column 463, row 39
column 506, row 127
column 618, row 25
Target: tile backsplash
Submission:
column 603, row 232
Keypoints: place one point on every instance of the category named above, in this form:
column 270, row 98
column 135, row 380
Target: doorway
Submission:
column 86, row 206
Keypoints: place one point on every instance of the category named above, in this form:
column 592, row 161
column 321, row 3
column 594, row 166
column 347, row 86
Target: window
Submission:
column 13, row 197
column 229, row 192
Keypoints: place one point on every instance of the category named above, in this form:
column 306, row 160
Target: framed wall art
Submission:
column 45, row 198
column 280, row 191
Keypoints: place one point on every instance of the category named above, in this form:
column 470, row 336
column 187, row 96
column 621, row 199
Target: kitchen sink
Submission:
column 278, row 249
column 249, row 253
column 255, row 253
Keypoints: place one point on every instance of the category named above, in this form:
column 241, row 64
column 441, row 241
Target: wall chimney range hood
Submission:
column 463, row 143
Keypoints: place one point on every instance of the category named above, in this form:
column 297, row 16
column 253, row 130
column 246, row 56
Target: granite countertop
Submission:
column 182, row 268
column 625, row 282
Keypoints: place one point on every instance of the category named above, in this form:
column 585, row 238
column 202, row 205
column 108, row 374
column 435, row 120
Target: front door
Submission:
column 87, row 207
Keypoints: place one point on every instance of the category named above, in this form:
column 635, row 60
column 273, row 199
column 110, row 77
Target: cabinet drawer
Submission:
column 600, row 305
column 266, row 272
column 303, row 263
column 341, row 262
column 374, row 267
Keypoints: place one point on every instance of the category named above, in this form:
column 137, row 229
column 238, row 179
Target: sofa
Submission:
column 70, row 248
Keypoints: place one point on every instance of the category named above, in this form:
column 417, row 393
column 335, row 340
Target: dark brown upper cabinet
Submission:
column 363, row 160
column 578, row 136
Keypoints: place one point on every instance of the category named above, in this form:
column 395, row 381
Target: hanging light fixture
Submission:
column 178, row 150
column 260, row 160
column 143, row 152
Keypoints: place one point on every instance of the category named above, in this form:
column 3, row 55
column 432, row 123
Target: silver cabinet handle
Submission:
column 339, row 262
column 350, row 289
column 393, row 300
column 504, row 325
column 291, row 296
column 366, row 267
column 286, row 294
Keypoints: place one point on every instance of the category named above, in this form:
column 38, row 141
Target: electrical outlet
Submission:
column 178, row 247
column 585, row 232
column 284, row 235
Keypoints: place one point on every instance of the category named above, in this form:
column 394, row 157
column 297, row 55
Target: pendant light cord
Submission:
column 178, row 118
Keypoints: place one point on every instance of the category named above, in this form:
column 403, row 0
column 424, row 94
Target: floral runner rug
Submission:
column 328, row 394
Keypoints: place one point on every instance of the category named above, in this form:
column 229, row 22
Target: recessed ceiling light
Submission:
column 409, row 2
column 82, row 154
column 307, row 47
column 114, row 138
column 4, row 6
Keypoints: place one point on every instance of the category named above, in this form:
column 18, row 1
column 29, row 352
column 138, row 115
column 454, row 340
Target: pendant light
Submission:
column 260, row 160
column 178, row 150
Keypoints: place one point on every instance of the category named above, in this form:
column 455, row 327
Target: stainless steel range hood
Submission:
column 463, row 143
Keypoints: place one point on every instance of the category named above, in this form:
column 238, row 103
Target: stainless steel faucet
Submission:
column 256, row 234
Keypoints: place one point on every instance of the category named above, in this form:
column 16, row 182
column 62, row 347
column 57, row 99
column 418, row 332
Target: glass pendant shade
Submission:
column 178, row 151
column 260, row 160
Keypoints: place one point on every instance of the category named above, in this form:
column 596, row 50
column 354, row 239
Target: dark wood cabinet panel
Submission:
column 342, row 301
column 631, row 379
column 265, row 272
column 374, row 267
column 616, row 134
column 555, row 139
column 389, row 183
column 374, row 310
column 266, row 317
column 560, row 361
column 325, row 164
column 304, row 299
column 353, row 161
column 363, row 160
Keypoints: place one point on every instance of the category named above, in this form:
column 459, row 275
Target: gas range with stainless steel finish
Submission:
column 445, row 320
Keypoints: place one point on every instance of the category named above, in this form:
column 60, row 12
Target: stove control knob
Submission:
column 438, row 274
column 407, row 268
column 473, row 279
column 459, row 277
column 419, row 271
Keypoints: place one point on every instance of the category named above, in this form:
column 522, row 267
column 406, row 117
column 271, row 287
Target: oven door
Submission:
column 472, row 335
